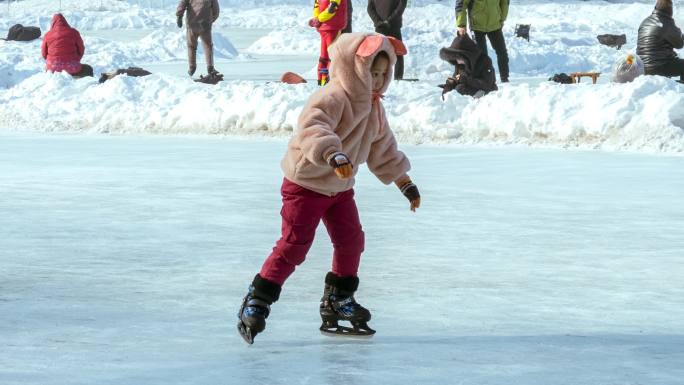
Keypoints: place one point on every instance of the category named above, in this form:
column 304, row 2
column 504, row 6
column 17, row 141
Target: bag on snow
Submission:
column 561, row 78
column 612, row 40
column 20, row 33
column 130, row 71
column 628, row 68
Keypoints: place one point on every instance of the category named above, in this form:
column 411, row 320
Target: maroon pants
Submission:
column 302, row 211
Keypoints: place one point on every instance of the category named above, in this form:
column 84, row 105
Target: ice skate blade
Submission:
column 358, row 331
column 350, row 336
column 246, row 333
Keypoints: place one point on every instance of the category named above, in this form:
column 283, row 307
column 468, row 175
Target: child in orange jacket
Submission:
column 329, row 19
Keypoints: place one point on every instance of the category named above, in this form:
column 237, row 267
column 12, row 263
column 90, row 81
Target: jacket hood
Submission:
column 352, row 56
column 58, row 20
column 462, row 47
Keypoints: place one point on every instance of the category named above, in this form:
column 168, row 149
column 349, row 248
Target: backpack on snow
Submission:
column 562, row 78
column 616, row 41
column 20, row 33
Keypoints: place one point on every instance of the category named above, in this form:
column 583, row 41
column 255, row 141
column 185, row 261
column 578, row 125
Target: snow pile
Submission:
column 645, row 115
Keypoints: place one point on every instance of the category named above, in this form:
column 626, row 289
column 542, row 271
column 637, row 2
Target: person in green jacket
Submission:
column 486, row 19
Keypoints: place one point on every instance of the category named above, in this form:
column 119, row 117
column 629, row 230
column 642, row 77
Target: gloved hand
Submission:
column 383, row 26
column 179, row 21
column 342, row 165
column 314, row 23
column 410, row 191
column 448, row 86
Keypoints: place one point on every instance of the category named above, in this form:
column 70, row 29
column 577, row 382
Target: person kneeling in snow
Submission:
column 63, row 49
column 658, row 37
column 474, row 74
column 201, row 14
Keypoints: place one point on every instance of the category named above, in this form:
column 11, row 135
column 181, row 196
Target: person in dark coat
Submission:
column 387, row 18
column 658, row 38
column 474, row 74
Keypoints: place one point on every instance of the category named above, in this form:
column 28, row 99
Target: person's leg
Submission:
column 344, row 227
column 208, row 45
column 674, row 68
column 496, row 38
column 302, row 211
column 395, row 32
column 192, row 51
column 348, row 28
column 327, row 37
column 481, row 40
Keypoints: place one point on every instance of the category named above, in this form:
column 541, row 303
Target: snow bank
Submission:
column 645, row 115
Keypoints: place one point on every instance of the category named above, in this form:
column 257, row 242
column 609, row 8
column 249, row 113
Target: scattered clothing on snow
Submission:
column 130, row 71
column 658, row 39
column 562, row 78
column 387, row 16
column 522, row 31
column 62, row 47
column 616, row 41
column 474, row 73
column 627, row 69
column 19, row 32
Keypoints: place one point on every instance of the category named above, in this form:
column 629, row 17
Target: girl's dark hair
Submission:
column 381, row 54
column 664, row 6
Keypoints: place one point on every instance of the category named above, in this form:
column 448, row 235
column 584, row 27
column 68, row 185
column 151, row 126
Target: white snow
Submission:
column 124, row 261
column 643, row 116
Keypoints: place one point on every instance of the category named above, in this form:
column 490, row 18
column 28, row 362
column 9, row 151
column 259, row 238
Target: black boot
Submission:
column 338, row 304
column 256, row 307
column 191, row 70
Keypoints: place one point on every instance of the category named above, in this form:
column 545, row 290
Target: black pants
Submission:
column 348, row 28
column 395, row 32
column 499, row 45
column 673, row 68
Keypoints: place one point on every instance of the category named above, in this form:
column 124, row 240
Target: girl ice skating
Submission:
column 342, row 126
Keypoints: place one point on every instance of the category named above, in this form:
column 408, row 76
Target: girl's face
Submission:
column 379, row 72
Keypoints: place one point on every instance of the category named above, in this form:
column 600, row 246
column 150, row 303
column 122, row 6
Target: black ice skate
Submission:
column 338, row 304
column 256, row 307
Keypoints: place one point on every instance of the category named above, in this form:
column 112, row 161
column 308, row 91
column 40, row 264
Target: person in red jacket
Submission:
column 62, row 47
column 329, row 19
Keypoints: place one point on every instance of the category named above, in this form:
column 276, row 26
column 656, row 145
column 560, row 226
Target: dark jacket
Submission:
column 476, row 70
column 658, row 37
column 391, row 11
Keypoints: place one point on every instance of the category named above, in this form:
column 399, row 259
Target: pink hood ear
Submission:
column 352, row 55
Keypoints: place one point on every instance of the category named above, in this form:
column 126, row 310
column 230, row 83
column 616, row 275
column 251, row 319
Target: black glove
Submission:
column 383, row 26
column 179, row 21
column 448, row 86
column 338, row 159
column 410, row 191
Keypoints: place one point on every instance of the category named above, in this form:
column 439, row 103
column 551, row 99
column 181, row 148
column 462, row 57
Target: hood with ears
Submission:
column 352, row 56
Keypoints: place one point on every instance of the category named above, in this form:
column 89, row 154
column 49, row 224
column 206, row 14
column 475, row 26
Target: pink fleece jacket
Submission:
column 344, row 116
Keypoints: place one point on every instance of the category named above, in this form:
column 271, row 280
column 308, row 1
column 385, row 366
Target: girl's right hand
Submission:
column 340, row 162
column 344, row 172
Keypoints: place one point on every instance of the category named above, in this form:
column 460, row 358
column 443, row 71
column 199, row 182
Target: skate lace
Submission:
column 346, row 304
